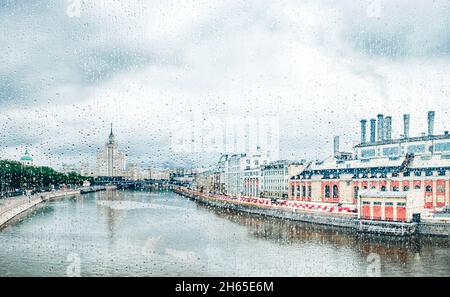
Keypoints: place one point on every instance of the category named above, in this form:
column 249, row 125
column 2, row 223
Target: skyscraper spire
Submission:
column 111, row 135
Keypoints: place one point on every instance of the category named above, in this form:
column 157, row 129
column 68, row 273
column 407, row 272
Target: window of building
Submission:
column 335, row 191
column 406, row 188
column 439, row 147
column 429, row 188
column 368, row 153
column 390, row 151
column 327, row 191
column 417, row 148
column 304, row 191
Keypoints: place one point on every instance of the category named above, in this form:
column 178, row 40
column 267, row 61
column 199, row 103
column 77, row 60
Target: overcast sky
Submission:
column 69, row 68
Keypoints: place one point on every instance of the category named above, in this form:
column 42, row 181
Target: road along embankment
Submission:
column 11, row 207
column 348, row 221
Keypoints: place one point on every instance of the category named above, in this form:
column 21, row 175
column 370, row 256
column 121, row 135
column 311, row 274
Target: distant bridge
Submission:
column 123, row 183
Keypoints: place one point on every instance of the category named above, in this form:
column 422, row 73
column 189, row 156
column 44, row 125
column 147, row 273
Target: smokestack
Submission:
column 431, row 123
column 388, row 128
column 373, row 124
column 406, row 119
column 380, row 127
column 336, row 145
column 363, row 131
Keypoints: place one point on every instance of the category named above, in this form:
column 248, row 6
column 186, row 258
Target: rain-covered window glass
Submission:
column 224, row 138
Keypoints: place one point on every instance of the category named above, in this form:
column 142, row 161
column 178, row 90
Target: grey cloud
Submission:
column 401, row 29
column 53, row 59
column 103, row 63
column 17, row 134
column 45, row 50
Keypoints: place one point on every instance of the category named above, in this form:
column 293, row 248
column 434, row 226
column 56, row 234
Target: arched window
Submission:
column 335, row 191
column 429, row 189
column 327, row 191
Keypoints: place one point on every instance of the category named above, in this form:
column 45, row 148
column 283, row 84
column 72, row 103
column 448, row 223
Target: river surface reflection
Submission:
column 163, row 234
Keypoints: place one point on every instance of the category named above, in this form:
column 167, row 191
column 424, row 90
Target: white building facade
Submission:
column 111, row 161
column 276, row 176
column 252, row 182
column 234, row 169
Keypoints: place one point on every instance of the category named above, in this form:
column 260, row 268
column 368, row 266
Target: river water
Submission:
column 118, row 233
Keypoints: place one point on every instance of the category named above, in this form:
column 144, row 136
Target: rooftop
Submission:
column 26, row 156
column 404, row 140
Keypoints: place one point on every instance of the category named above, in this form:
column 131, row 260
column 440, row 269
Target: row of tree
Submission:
column 16, row 176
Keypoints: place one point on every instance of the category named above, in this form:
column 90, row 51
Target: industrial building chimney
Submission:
column 431, row 123
column 380, row 127
column 388, row 128
column 373, row 124
column 363, row 131
column 406, row 119
column 336, row 145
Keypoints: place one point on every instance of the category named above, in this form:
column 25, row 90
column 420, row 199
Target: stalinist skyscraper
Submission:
column 111, row 161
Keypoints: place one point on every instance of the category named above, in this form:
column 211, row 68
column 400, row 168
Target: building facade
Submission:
column 382, row 164
column 234, row 168
column 86, row 170
column 158, row 174
column 276, row 176
column 134, row 172
column 252, row 182
column 111, row 161
column 390, row 206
